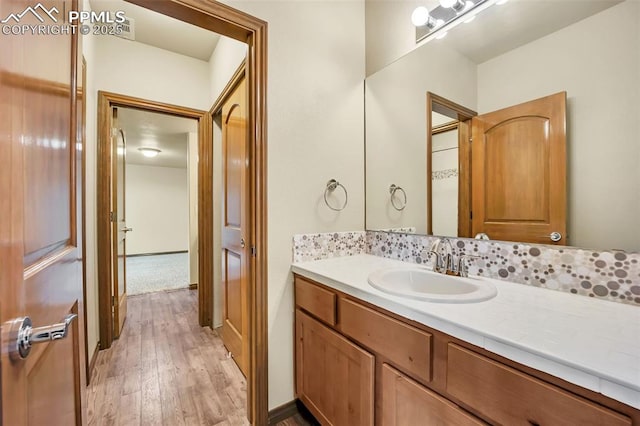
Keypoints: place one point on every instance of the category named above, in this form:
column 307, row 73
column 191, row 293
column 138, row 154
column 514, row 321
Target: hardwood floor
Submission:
column 166, row 370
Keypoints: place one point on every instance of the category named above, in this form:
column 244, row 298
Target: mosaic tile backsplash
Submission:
column 608, row 275
column 308, row 247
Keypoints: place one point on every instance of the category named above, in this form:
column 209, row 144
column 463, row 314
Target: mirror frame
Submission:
column 463, row 115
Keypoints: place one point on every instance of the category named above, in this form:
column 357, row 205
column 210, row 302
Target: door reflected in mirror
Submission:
column 502, row 174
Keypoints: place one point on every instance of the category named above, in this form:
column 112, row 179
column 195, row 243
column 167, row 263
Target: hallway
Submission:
column 165, row 369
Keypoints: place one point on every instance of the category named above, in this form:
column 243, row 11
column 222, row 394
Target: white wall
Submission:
column 390, row 33
column 444, row 208
column 193, row 207
column 157, row 208
column 91, row 304
column 600, row 72
column 315, row 133
column 396, row 105
column 140, row 70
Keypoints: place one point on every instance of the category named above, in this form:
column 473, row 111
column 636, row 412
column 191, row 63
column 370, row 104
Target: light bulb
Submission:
column 149, row 152
column 420, row 16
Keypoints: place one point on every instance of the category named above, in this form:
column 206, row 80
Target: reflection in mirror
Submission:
column 448, row 160
column 590, row 50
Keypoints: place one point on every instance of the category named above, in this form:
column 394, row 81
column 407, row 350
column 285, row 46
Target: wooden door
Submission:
column 406, row 402
column 119, row 225
column 334, row 377
column 518, row 157
column 235, row 246
column 40, row 221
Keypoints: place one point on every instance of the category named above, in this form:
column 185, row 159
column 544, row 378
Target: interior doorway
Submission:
column 251, row 31
column 112, row 225
column 160, row 202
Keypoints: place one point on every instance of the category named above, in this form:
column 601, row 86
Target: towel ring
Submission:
column 392, row 190
column 332, row 185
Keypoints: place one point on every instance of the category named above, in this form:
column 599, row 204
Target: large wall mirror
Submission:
column 522, row 124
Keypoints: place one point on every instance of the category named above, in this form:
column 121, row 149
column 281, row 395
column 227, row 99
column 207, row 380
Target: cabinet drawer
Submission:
column 405, row 402
column 407, row 347
column 509, row 397
column 316, row 300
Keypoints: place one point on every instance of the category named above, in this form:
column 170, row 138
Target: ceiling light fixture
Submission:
column 149, row 152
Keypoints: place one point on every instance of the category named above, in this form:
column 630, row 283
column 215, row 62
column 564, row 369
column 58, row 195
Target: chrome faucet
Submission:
column 445, row 263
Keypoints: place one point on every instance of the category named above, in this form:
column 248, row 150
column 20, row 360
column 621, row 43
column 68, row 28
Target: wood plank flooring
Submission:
column 167, row 370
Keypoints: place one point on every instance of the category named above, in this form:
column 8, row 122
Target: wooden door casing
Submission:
column 235, row 267
column 118, row 209
column 519, row 171
column 41, row 226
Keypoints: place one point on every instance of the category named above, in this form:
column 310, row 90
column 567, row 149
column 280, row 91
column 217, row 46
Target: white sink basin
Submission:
column 423, row 284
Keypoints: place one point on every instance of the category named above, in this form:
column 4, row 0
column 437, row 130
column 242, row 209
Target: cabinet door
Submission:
column 334, row 377
column 406, row 403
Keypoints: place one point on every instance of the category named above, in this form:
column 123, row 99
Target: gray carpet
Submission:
column 146, row 274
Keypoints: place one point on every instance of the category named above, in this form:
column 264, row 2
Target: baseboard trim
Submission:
column 92, row 363
column 157, row 254
column 283, row 412
column 193, row 286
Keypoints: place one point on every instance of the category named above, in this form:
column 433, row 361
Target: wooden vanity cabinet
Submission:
column 347, row 351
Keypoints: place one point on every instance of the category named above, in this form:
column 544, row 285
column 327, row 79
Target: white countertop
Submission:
column 591, row 343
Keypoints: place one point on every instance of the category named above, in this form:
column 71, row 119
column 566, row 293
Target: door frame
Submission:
column 463, row 116
column 107, row 101
column 230, row 22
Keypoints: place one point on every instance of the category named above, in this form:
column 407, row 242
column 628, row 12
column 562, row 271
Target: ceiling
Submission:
column 501, row 28
column 161, row 31
column 162, row 131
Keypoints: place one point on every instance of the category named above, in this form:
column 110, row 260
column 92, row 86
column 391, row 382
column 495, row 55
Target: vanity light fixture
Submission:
column 421, row 17
column 149, row 152
column 445, row 16
column 457, row 5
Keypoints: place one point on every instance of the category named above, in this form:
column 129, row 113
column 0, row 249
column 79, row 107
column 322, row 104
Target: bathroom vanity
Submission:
column 528, row 356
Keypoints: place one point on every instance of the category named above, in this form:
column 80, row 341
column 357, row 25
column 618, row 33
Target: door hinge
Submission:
column 470, row 214
column 113, row 301
column 470, row 140
column 254, row 251
column 112, row 216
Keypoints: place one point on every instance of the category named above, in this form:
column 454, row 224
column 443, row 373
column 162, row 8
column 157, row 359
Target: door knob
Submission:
column 24, row 336
column 555, row 237
column 126, row 229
